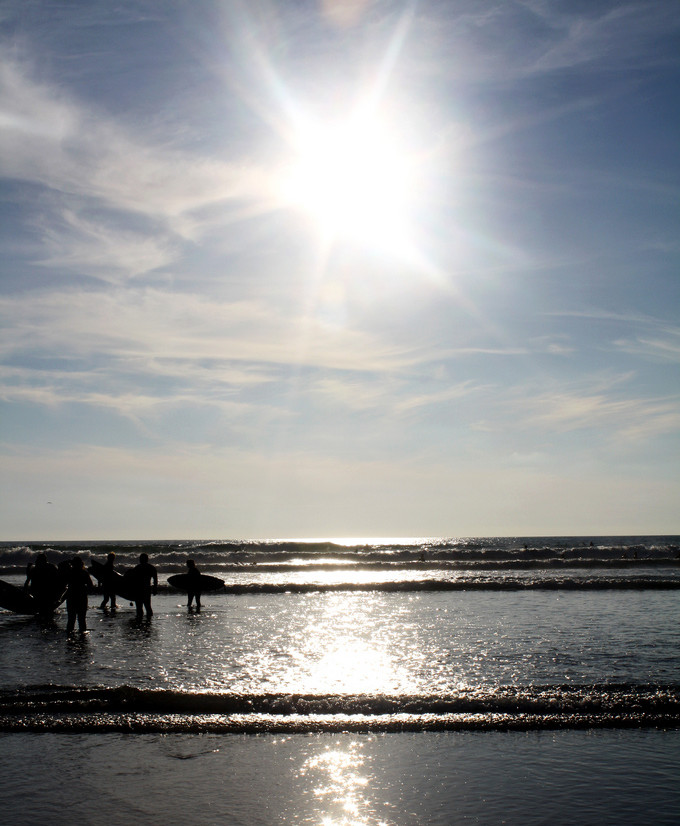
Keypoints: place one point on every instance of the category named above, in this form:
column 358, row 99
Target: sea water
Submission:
column 446, row 681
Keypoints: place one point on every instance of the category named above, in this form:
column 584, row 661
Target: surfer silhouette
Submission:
column 39, row 574
column 194, row 584
column 43, row 582
column 145, row 578
column 107, row 582
column 78, row 584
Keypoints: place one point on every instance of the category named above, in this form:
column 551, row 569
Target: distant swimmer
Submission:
column 194, row 584
column 145, row 578
column 78, row 586
column 108, row 571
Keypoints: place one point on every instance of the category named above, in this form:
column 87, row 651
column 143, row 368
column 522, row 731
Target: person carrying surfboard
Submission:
column 194, row 585
column 145, row 579
column 45, row 584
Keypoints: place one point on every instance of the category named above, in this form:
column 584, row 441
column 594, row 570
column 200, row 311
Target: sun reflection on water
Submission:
column 340, row 786
column 344, row 648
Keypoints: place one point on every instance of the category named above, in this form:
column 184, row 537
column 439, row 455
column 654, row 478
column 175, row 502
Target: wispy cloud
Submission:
column 54, row 389
column 101, row 250
column 396, row 395
column 616, row 416
column 623, row 34
column 646, row 337
column 51, row 139
column 152, row 323
column 661, row 348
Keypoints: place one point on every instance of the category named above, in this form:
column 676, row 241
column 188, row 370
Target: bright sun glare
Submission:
column 354, row 179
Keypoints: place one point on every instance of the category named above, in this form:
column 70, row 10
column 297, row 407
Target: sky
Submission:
column 339, row 269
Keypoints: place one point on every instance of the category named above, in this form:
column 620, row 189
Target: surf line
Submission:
column 277, row 724
column 130, row 709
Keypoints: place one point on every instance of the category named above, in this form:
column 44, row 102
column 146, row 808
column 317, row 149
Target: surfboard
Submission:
column 121, row 584
column 16, row 599
column 182, row 582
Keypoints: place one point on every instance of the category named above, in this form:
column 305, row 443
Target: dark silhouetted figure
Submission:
column 43, row 582
column 146, row 583
column 107, row 582
column 78, row 586
column 194, row 586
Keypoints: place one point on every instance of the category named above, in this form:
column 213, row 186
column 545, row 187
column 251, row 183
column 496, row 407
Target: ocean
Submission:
column 514, row 680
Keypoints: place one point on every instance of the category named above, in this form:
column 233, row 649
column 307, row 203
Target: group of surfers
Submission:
column 46, row 582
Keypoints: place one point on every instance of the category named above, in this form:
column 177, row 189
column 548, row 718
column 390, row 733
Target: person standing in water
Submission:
column 146, row 583
column 194, row 587
column 45, row 584
column 40, row 576
column 78, row 585
column 107, row 582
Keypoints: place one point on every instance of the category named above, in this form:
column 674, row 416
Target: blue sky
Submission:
column 339, row 269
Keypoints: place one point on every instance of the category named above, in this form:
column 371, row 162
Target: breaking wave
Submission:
column 478, row 551
column 125, row 708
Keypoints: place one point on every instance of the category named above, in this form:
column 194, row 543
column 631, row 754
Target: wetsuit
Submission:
column 78, row 586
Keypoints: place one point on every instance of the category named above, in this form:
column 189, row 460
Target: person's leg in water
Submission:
column 71, row 617
column 82, row 614
column 109, row 598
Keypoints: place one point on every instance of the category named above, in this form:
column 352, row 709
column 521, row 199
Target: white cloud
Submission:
column 50, row 139
column 100, row 250
column 653, row 338
column 161, row 325
column 393, row 395
column 655, row 349
column 616, row 416
column 129, row 404
column 448, row 394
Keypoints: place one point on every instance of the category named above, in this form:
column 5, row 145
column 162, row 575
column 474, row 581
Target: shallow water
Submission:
column 358, row 643
column 604, row 777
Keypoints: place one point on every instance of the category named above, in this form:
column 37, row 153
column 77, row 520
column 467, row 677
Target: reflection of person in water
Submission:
column 107, row 582
column 146, row 583
column 77, row 588
column 194, row 586
column 41, row 581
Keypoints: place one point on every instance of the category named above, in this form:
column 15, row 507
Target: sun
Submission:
column 353, row 178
